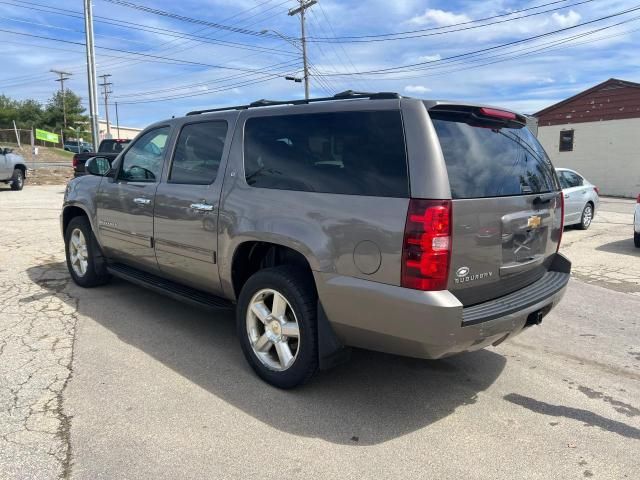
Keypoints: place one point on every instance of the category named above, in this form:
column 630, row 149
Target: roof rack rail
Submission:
column 346, row 95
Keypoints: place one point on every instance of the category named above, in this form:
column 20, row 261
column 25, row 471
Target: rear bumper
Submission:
column 433, row 324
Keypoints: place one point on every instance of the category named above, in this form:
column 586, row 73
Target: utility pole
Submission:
column 91, row 72
column 106, row 90
column 304, row 4
column 117, row 120
column 63, row 76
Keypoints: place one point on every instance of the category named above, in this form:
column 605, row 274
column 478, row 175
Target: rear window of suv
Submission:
column 353, row 153
column 485, row 162
column 113, row 146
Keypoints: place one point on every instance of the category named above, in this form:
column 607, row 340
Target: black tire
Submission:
column 636, row 239
column 96, row 270
column 17, row 181
column 299, row 290
column 587, row 217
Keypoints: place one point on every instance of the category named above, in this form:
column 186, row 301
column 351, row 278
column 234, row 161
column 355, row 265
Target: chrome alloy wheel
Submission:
column 273, row 330
column 587, row 216
column 78, row 254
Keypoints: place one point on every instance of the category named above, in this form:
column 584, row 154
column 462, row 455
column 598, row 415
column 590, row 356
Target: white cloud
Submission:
column 568, row 20
column 440, row 18
column 429, row 58
column 416, row 89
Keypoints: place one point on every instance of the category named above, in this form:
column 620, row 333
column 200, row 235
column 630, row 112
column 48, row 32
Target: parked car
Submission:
column 581, row 198
column 78, row 147
column 108, row 149
column 420, row 228
column 13, row 168
column 636, row 223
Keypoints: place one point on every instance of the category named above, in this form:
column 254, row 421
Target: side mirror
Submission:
column 6, row 151
column 99, row 166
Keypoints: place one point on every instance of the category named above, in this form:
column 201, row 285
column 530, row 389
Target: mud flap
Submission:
column 331, row 351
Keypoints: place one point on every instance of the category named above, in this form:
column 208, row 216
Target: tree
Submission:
column 8, row 111
column 54, row 115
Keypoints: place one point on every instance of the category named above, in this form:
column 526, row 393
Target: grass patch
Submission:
column 62, row 152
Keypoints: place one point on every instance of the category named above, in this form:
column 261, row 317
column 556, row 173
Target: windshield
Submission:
column 493, row 162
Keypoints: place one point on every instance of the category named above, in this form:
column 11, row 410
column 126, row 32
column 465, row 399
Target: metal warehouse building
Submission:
column 597, row 133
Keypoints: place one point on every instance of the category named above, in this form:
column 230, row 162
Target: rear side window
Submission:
column 353, row 153
column 485, row 162
column 113, row 146
column 198, row 153
column 571, row 179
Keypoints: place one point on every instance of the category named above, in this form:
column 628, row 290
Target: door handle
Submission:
column 141, row 201
column 566, row 195
column 203, row 207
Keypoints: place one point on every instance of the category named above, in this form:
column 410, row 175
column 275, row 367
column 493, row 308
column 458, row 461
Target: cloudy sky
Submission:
column 167, row 58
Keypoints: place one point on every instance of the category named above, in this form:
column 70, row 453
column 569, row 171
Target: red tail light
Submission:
column 493, row 112
column 74, row 162
column 561, row 220
column 638, row 198
column 596, row 189
column 426, row 251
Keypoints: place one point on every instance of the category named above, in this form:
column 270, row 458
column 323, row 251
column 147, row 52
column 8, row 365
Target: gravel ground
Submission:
column 119, row 382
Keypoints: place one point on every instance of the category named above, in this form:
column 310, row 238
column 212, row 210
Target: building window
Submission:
column 566, row 141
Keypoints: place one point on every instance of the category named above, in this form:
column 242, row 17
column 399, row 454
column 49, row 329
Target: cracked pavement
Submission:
column 37, row 328
column 119, row 382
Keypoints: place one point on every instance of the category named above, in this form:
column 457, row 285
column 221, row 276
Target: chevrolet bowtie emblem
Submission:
column 534, row 222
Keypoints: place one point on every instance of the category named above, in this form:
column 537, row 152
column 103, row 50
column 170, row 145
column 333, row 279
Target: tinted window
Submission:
column 485, row 162
column 198, row 153
column 354, row 153
column 143, row 161
column 566, row 141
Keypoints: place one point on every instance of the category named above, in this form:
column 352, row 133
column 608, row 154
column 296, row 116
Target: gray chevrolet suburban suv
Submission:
column 420, row 228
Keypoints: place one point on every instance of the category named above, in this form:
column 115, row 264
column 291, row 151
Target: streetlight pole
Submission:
column 91, row 72
column 304, row 4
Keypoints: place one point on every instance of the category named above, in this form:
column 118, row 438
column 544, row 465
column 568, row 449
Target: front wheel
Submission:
column 17, row 181
column 84, row 259
column 587, row 217
column 636, row 239
column 276, row 323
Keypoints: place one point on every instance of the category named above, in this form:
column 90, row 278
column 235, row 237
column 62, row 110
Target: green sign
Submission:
column 46, row 136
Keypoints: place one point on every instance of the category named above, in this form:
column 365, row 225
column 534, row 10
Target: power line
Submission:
column 175, row 16
column 507, row 14
column 146, row 55
column 415, row 66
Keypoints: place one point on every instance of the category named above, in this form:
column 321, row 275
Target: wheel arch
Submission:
column 23, row 167
column 252, row 255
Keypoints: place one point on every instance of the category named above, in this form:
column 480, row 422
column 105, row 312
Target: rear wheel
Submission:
column 587, row 217
column 84, row 259
column 17, row 181
column 636, row 239
column 276, row 323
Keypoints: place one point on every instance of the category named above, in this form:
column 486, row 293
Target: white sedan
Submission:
column 581, row 199
column 636, row 224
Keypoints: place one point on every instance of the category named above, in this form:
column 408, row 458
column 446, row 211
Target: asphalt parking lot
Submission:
column 119, row 382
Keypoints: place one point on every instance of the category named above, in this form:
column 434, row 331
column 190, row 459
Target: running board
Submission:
column 169, row 288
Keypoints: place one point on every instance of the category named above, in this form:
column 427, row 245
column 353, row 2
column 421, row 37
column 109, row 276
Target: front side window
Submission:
column 143, row 161
column 198, row 153
column 353, row 153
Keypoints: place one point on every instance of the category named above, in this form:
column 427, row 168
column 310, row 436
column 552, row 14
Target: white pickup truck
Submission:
column 13, row 168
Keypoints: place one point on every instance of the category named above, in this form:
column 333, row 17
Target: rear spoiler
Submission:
column 477, row 116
